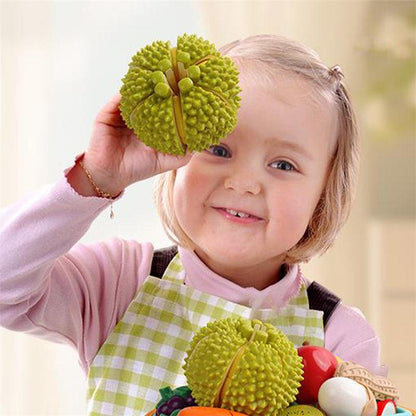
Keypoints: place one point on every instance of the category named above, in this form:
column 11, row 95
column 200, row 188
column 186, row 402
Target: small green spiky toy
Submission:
column 243, row 365
column 181, row 97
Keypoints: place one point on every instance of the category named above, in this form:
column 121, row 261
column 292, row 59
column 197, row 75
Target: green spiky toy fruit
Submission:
column 181, row 97
column 243, row 365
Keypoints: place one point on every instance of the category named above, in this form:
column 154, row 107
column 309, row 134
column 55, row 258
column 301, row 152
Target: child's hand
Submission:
column 116, row 159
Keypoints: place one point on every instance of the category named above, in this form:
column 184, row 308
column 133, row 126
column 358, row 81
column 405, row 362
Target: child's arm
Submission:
column 54, row 288
column 76, row 294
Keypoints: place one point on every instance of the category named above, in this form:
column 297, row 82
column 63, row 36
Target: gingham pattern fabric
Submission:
column 146, row 350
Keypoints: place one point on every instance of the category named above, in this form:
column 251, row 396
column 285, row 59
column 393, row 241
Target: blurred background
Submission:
column 62, row 60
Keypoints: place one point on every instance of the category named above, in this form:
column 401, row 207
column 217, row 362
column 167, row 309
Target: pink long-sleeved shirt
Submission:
column 54, row 287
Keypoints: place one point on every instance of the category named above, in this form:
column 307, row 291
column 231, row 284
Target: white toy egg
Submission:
column 342, row 396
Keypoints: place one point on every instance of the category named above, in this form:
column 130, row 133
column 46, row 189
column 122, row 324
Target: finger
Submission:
column 115, row 100
column 169, row 162
column 110, row 113
column 112, row 105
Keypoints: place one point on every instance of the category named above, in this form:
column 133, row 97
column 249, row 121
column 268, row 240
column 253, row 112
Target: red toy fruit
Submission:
column 319, row 364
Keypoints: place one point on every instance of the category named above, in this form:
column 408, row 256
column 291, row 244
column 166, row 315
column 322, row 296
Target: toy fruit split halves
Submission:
column 179, row 98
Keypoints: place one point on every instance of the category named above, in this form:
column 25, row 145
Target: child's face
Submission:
column 271, row 169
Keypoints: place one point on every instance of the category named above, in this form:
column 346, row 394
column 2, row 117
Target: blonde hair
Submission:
column 277, row 54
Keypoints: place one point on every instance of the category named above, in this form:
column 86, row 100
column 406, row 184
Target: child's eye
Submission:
column 218, row 150
column 282, row 165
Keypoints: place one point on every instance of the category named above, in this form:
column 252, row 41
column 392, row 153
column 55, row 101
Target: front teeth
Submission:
column 237, row 213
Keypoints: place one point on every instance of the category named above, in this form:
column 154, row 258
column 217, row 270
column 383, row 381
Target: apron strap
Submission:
column 320, row 298
column 161, row 258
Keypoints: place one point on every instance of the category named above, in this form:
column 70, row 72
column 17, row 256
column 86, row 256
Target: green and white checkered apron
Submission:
column 146, row 349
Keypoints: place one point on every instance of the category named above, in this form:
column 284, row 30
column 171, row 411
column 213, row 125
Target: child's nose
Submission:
column 243, row 183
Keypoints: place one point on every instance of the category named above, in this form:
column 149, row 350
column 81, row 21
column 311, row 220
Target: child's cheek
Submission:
column 194, row 177
column 185, row 181
column 292, row 218
column 189, row 193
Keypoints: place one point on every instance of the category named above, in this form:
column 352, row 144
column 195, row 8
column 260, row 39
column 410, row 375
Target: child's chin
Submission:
column 233, row 255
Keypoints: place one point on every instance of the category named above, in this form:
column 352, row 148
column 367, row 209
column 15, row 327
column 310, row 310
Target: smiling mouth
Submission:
column 237, row 215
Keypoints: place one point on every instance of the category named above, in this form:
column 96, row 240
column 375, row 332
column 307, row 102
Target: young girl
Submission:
column 244, row 213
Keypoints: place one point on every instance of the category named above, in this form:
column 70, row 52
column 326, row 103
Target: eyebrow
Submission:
column 285, row 143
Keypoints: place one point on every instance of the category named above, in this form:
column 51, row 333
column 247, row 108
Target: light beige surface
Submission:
column 61, row 61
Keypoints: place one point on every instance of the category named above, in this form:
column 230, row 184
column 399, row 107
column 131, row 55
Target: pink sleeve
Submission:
column 349, row 336
column 54, row 288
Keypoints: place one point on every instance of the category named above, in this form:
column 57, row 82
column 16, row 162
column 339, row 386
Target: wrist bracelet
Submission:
column 97, row 190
